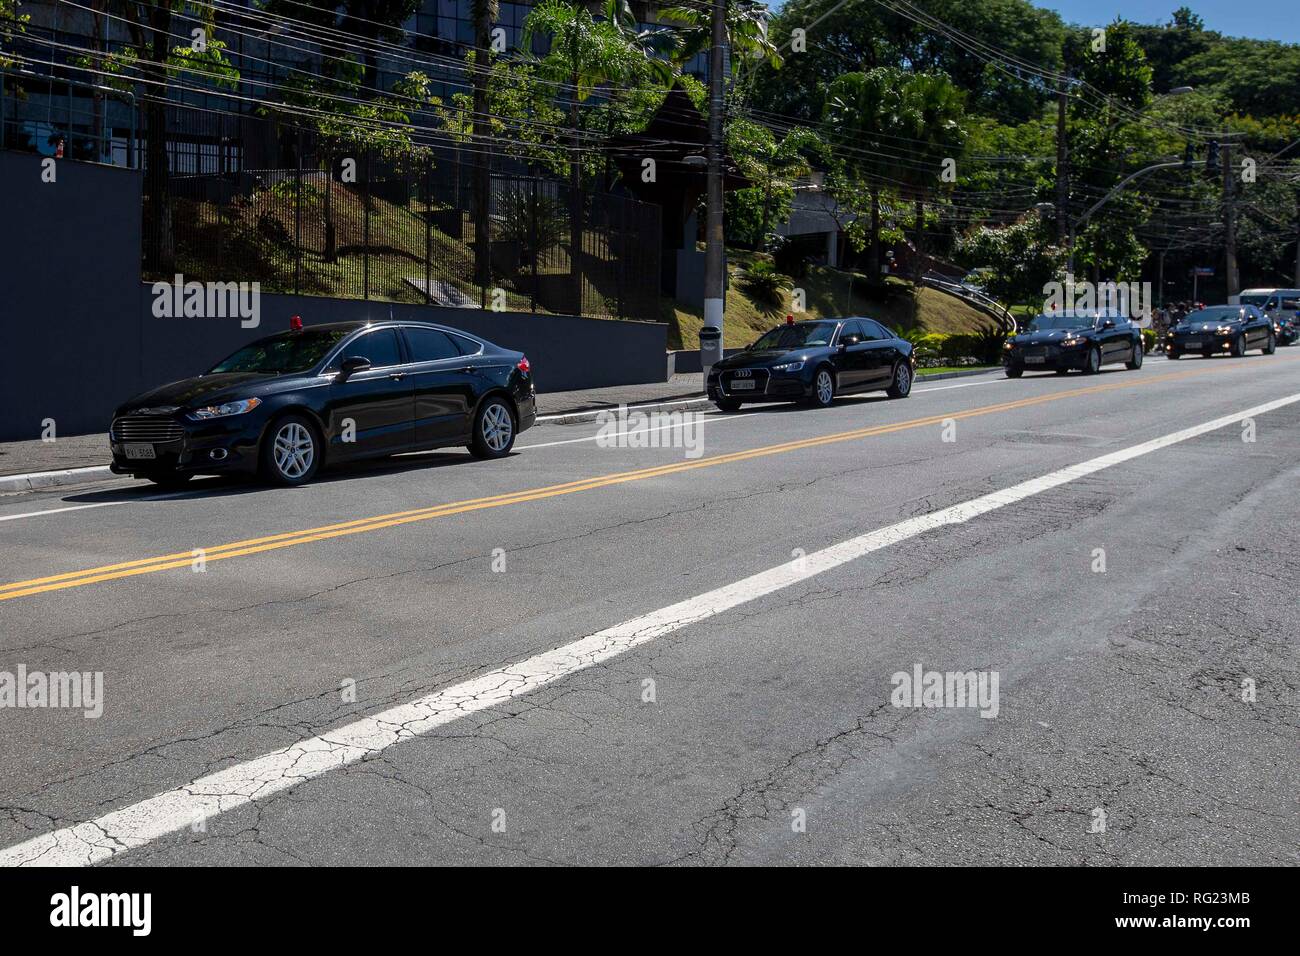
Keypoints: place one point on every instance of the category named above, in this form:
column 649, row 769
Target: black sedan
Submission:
column 1064, row 341
column 287, row 404
column 814, row 361
column 1221, row 328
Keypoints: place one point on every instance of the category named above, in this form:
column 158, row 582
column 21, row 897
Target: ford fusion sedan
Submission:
column 814, row 361
column 286, row 405
column 1234, row 329
column 1063, row 341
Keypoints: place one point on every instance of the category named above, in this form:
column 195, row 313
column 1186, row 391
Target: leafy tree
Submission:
column 11, row 23
column 771, row 164
column 746, row 35
column 1019, row 260
column 934, row 109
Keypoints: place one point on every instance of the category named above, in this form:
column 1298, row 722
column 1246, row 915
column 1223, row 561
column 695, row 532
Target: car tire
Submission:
column 494, row 429
column 1135, row 362
column 1013, row 372
column 291, row 450
column 902, row 384
column 727, row 404
column 823, row 391
column 1174, row 355
column 1270, row 346
column 168, row 479
column 1238, row 346
column 1092, row 364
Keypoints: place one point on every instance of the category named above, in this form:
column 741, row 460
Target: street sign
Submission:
column 1202, row 271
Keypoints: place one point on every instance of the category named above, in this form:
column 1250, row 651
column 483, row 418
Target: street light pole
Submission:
column 714, row 255
column 1229, row 224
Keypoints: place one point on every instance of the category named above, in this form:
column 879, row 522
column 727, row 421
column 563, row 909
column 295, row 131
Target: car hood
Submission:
column 204, row 390
column 1200, row 327
column 1047, row 336
column 765, row 357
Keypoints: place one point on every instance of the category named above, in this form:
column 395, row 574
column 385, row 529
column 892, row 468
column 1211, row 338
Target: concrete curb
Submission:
column 681, row 403
column 38, row 480
column 965, row 373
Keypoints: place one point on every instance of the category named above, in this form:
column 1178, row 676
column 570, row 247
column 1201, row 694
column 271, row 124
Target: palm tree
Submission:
column 866, row 115
column 585, row 53
column 933, row 108
column 746, row 33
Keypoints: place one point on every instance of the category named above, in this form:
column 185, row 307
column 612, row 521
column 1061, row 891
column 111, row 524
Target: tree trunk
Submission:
column 575, row 200
column 482, row 169
column 160, row 245
column 873, row 248
column 767, row 212
column 918, row 238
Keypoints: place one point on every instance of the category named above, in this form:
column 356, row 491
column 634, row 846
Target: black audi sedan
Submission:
column 287, row 404
column 1063, row 341
column 814, row 361
column 1221, row 328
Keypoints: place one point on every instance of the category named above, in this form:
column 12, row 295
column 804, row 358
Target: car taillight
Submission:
column 523, row 365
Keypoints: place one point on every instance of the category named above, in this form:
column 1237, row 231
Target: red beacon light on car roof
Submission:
column 789, row 318
column 295, row 323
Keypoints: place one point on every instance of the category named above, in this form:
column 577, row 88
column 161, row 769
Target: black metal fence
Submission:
column 398, row 227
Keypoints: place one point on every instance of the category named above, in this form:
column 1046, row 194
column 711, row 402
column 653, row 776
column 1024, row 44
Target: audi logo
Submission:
column 744, row 373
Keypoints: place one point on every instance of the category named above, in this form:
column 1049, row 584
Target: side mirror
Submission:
column 1108, row 324
column 850, row 340
column 353, row 364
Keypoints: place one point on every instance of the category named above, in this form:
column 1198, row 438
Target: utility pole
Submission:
column 1062, row 169
column 714, row 255
column 1297, row 240
column 1229, row 225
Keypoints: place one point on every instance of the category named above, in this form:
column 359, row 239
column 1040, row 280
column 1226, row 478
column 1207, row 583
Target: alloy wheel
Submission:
column 294, row 450
column 825, row 387
column 497, row 427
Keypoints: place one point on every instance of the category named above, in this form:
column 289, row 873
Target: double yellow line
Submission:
column 288, row 539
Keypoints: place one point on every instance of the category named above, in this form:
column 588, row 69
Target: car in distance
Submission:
column 285, row 405
column 1061, row 341
column 814, row 361
column 1284, row 330
column 1234, row 329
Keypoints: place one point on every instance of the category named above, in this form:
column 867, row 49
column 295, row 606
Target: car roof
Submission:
column 354, row 325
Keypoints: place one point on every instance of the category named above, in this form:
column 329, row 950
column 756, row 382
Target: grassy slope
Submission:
column 827, row 294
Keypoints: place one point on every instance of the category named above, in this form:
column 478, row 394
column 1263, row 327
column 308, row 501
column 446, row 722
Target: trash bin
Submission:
column 710, row 348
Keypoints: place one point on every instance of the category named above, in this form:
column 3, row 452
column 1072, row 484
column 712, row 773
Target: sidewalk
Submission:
column 91, row 451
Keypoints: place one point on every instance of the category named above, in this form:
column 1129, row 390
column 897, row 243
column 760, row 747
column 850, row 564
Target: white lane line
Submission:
column 55, row 511
column 236, row 786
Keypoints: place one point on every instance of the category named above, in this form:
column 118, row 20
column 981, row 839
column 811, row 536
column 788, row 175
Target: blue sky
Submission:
column 1261, row 19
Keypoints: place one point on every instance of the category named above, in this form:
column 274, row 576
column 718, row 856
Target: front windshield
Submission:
column 1222, row 313
column 286, row 352
column 1045, row 323
column 797, row 336
column 1258, row 301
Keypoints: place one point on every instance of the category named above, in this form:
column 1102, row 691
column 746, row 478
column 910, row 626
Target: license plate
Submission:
column 743, row 385
column 137, row 452
column 1192, row 344
column 1034, row 360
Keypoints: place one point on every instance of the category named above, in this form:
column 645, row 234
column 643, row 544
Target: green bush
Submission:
column 764, row 284
column 1148, row 340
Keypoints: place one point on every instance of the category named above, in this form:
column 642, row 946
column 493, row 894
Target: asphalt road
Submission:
column 369, row 674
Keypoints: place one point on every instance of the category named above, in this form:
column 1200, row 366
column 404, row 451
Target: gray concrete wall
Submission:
column 81, row 336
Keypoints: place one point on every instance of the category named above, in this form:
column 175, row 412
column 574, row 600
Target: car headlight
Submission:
column 1008, row 344
column 1071, row 343
column 225, row 410
column 788, row 367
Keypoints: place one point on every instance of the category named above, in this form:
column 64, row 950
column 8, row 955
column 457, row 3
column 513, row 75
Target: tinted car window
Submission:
column 796, row 336
column 380, row 346
column 466, row 346
column 286, row 352
column 428, row 345
column 875, row 330
column 851, row 328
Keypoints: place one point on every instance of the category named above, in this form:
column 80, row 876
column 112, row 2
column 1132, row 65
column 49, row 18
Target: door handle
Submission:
column 397, row 376
column 470, row 368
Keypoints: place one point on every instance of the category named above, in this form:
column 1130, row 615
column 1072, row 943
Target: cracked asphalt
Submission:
column 764, row 734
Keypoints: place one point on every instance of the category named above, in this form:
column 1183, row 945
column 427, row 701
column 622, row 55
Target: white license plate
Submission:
column 1192, row 344
column 1034, row 360
column 743, row 385
column 137, row 452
